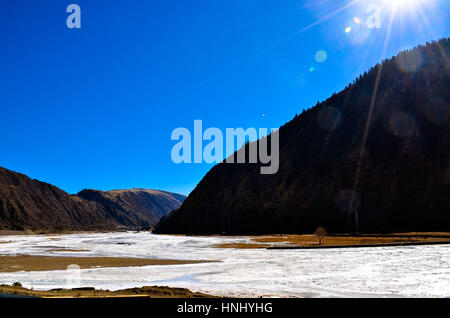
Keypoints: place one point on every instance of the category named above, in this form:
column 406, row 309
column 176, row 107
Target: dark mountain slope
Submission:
column 400, row 180
column 144, row 206
column 27, row 204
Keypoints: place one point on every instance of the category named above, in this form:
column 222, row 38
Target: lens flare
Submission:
column 403, row 124
column 329, row 118
column 320, row 56
column 409, row 62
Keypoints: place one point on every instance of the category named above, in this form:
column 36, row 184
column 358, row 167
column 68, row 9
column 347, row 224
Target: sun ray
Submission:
column 369, row 116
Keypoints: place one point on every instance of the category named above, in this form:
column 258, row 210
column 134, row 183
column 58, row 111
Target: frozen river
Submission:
column 413, row 271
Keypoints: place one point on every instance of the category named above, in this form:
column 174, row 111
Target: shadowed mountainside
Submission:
column 142, row 205
column 27, row 204
column 345, row 165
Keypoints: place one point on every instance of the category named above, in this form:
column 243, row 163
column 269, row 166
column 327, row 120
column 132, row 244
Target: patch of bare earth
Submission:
column 30, row 263
column 314, row 240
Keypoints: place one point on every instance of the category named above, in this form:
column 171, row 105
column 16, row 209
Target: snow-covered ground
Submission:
column 422, row 271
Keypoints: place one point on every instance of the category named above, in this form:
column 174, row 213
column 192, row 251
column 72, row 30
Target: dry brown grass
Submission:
column 424, row 234
column 147, row 291
column 48, row 263
column 311, row 240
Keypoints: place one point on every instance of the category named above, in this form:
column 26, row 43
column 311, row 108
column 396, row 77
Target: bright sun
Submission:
column 401, row 4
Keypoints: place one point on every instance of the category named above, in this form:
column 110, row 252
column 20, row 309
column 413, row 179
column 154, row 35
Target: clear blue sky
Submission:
column 95, row 107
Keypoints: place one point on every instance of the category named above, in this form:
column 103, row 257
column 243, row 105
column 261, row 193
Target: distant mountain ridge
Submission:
column 145, row 206
column 398, row 181
column 27, row 204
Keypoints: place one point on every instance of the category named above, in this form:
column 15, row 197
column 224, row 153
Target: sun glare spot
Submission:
column 320, row 56
column 402, row 4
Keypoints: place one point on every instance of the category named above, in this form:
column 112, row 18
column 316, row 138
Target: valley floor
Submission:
column 118, row 264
